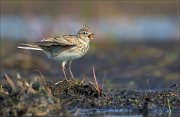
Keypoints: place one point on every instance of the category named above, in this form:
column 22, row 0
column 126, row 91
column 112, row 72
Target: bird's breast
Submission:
column 72, row 53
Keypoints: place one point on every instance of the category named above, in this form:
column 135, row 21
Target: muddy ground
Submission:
column 68, row 97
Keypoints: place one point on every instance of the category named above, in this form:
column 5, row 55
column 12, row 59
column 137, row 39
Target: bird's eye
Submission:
column 84, row 33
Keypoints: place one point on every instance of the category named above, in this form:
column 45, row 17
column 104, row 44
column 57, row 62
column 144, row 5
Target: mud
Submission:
column 66, row 97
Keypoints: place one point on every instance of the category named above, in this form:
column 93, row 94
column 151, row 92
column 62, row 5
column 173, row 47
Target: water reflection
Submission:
column 124, row 112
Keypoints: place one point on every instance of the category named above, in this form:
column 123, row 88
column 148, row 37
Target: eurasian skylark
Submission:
column 65, row 48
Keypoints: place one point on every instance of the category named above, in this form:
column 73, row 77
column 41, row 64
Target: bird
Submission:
column 64, row 49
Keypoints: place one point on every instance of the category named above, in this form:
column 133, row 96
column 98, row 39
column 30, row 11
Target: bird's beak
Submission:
column 91, row 36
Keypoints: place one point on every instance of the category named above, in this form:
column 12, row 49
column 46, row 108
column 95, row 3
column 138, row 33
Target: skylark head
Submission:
column 85, row 33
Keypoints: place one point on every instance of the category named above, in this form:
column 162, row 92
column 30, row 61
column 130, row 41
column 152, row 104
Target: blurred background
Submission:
column 135, row 46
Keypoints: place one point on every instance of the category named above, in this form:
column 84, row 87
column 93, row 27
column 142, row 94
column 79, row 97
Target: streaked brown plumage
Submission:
column 64, row 48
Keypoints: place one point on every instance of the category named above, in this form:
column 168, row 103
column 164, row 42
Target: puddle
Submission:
column 125, row 112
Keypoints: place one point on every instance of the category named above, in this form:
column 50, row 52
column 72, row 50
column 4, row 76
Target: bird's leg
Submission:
column 63, row 69
column 70, row 70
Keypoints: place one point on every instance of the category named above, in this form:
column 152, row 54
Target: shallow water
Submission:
column 162, row 28
column 126, row 112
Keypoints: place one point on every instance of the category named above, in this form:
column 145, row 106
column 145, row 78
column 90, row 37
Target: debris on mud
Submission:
column 39, row 98
column 70, row 88
column 28, row 99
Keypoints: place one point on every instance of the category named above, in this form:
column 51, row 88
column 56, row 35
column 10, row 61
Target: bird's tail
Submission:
column 29, row 47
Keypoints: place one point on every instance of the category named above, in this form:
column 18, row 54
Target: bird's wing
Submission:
column 63, row 40
column 58, row 44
